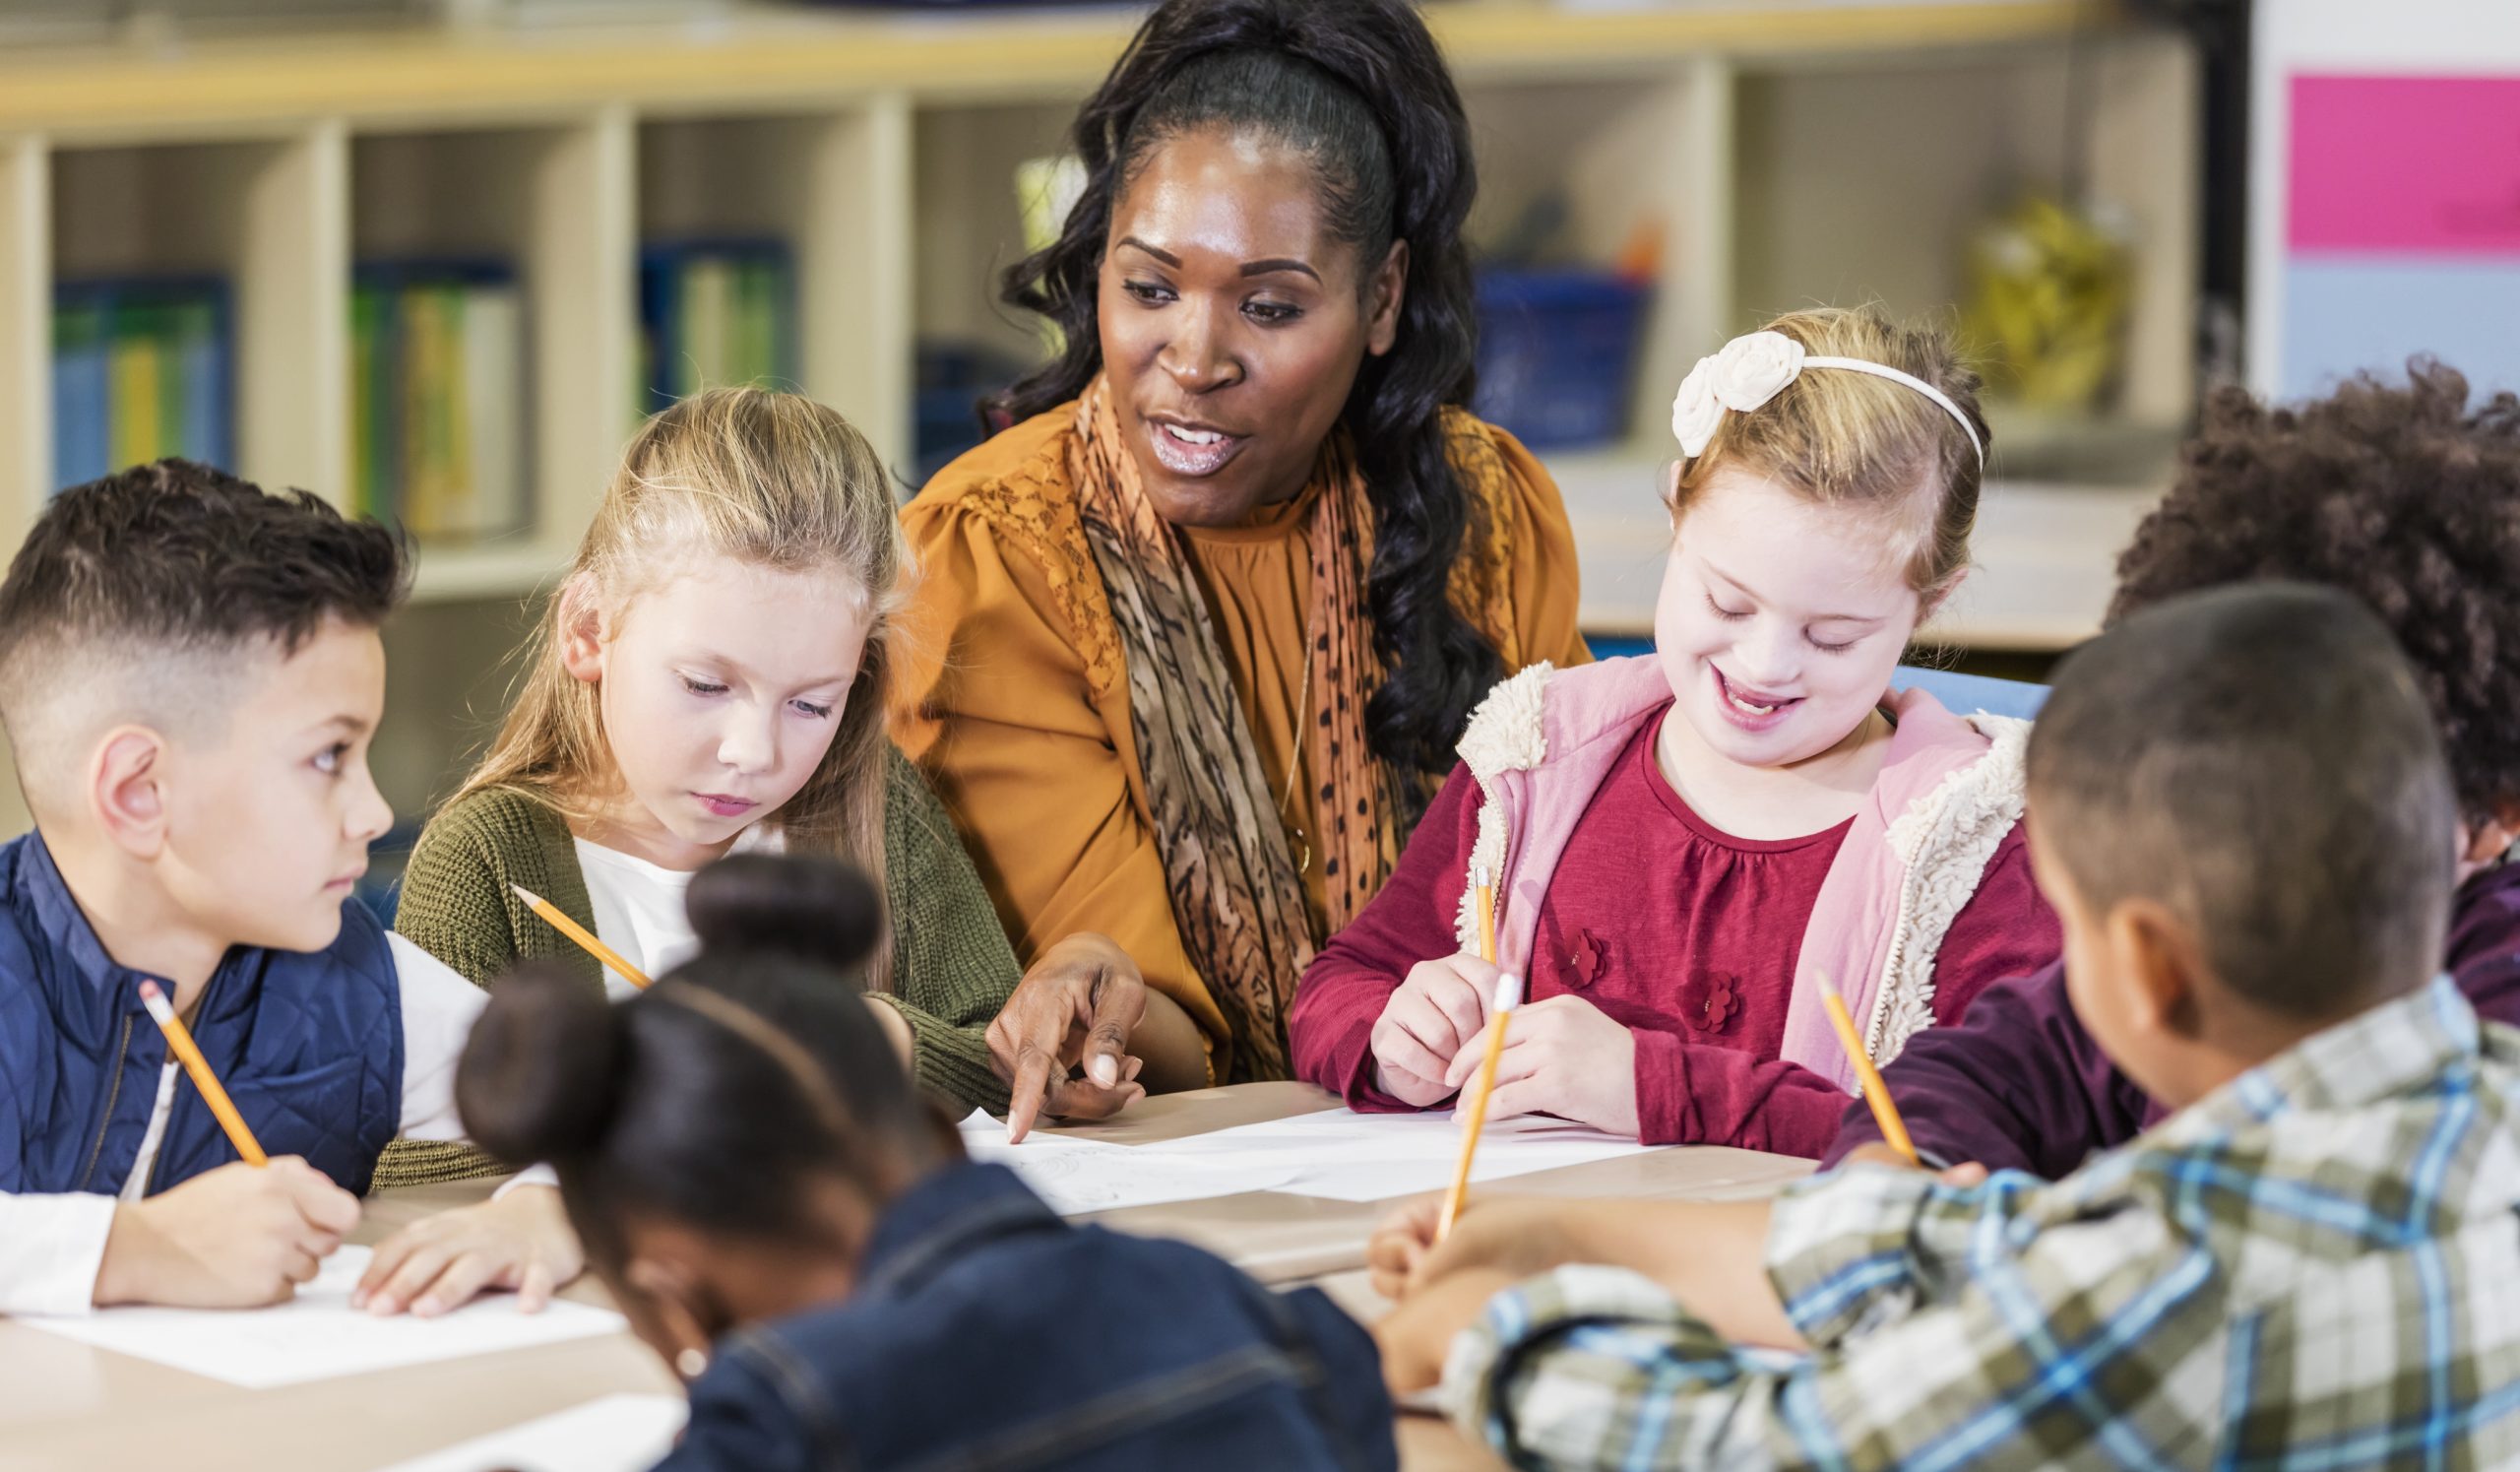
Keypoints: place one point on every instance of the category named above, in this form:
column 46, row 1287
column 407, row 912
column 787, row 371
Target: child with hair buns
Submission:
column 1687, row 847
column 798, row 1233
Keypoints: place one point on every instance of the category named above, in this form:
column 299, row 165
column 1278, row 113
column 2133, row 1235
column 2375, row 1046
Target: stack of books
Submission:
column 140, row 369
column 438, row 399
column 714, row 314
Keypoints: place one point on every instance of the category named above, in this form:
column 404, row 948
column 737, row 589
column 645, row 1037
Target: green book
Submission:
column 187, row 396
column 372, row 492
column 707, row 302
column 755, row 356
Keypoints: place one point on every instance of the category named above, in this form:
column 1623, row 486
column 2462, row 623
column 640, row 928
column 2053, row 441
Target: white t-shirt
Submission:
column 638, row 912
column 51, row 1245
column 638, row 906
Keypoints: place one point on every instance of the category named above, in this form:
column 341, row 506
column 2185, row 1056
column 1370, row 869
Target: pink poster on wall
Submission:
column 2401, row 229
column 2428, row 165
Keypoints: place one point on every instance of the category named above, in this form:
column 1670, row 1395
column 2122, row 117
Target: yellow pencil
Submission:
column 1894, row 1130
column 585, row 937
column 1509, row 995
column 180, row 1039
column 1484, row 895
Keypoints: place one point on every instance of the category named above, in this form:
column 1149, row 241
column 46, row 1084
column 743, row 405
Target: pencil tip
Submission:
column 529, row 896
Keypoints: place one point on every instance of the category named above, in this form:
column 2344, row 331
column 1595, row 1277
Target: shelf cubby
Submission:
column 834, row 188
column 263, row 215
column 1819, row 151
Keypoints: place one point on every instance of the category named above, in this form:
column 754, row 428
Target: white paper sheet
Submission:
column 1347, row 1156
column 317, row 1336
column 1081, row 1176
column 617, row 1434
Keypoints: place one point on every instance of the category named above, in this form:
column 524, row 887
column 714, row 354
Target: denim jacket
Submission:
column 987, row 1333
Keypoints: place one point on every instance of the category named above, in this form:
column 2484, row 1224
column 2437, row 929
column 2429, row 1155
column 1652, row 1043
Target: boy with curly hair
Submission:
column 2400, row 496
column 2238, row 808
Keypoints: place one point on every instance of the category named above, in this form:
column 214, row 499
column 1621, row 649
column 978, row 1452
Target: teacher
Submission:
column 1196, row 635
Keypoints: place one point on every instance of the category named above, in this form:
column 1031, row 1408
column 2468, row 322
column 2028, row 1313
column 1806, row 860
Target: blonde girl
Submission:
column 711, row 675
column 1685, row 846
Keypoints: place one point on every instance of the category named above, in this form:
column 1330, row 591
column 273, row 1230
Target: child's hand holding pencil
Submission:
column 1428, row 1024
column 240, row 1236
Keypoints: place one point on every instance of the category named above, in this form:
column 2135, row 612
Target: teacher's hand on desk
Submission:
column 1061, row 1041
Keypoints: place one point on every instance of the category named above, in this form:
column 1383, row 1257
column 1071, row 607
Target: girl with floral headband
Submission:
column 1685, row 849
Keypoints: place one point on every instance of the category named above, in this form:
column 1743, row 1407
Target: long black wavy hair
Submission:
column 1358, row 86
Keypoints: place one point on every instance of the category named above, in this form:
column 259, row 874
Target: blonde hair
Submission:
column 1851, row 439
column 774, row 480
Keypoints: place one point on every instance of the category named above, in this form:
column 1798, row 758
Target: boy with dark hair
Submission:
column 2238, row 809
column 190, row 674
column 2399, row 495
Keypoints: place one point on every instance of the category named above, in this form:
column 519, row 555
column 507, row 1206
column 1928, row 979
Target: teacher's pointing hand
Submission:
column 1062, row 1040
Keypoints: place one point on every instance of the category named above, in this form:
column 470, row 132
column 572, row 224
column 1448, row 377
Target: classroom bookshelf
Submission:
column 1771, row 141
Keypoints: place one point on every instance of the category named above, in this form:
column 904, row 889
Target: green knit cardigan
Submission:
column 952, row 966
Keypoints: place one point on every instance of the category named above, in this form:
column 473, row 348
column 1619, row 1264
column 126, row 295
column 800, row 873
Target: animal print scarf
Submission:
column 1238, row 894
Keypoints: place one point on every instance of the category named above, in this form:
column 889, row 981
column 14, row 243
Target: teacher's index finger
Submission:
column 1028, row 1090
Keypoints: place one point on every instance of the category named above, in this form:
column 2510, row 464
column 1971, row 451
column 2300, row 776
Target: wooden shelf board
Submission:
column 456, row 75
column 517, row 569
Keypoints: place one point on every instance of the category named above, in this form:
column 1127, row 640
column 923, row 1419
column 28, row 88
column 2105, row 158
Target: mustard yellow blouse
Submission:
column 1012, row 698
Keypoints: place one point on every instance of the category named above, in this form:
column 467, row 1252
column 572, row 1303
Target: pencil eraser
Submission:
column 155, row 1001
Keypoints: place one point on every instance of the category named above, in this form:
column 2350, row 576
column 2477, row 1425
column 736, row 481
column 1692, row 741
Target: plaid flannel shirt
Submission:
column 2317, row 1267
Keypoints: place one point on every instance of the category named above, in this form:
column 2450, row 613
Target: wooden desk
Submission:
column 70, row 1407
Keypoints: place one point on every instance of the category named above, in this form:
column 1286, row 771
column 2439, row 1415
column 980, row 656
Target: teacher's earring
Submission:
column 692, row 1364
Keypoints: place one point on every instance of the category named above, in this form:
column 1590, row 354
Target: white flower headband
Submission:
column 1754, row 368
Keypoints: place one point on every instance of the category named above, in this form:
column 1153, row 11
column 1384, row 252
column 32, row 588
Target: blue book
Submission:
column 80, row 423
column 201, row 377
column 715, row 311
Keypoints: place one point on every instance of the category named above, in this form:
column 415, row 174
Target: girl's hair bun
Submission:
column 540, row 1075
column 819, row 910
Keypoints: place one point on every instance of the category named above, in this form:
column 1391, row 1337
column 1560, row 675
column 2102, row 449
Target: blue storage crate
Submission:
column 951, row 379
column 1557, row 353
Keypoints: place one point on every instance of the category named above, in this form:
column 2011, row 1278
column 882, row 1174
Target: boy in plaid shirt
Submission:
column 2237, row 804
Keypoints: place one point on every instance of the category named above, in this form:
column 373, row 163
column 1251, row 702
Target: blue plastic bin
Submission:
column 1557, row 354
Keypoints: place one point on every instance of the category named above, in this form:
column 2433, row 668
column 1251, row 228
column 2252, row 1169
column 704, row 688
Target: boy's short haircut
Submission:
column 133, row 598
column 2398, row 493
column 2259, row 761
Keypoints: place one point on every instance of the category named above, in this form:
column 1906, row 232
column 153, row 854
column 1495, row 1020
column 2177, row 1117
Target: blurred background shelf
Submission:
column 762, row 56
column 1752, row 156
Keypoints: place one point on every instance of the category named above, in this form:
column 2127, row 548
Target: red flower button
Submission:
column 1587, row 959
column 1721, row 1004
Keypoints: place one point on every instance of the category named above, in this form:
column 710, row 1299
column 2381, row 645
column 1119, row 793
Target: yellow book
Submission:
column 136, row 365
column 429, row 494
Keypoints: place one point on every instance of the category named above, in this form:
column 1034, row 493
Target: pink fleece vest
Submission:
column 1587, row 716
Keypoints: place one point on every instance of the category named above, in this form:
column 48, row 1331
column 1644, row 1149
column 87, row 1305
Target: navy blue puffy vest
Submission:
column 309, row 1044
